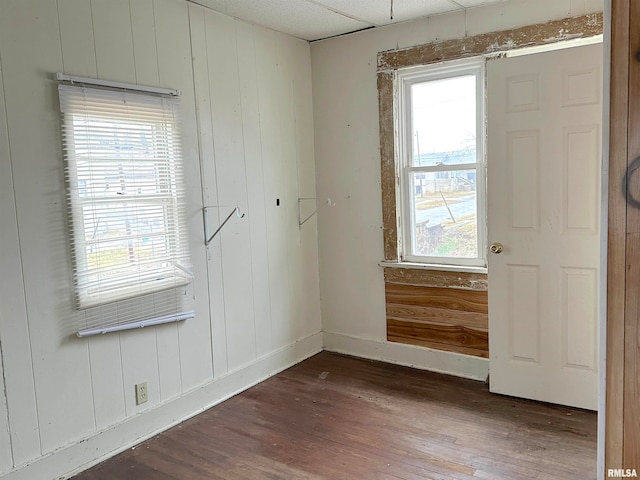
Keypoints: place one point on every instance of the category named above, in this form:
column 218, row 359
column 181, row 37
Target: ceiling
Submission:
column 317, row 19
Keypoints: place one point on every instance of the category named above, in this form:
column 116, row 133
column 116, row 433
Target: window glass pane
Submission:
column 444, row 121
column 124, row 177
column 445, row 214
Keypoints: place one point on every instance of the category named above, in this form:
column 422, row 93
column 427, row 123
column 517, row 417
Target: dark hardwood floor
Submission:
column 338, row 417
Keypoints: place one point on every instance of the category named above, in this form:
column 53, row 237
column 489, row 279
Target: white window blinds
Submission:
column 125, row 201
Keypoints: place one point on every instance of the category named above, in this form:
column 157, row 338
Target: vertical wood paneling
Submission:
column 113, row 40
column 622, row 313
column 284, row 331
column 217, row 335
column 246, row 104
column 229, row 156
column 115, row 60
column 76, row 37
column 175, row 69
column 248, row 83
column 616, row 255
column 168, row 382
column 269, row 77
column 300, row 181
column 303, row 118
column 78, row 54
column 289, row 174
column 11, row 293
column 62, row 376
column 309, row 320
column 631, row 452
column 6, row 457
column 203, row 102
column 170, row 377
column 106, row 380
column 139, row 364
column 143, row 33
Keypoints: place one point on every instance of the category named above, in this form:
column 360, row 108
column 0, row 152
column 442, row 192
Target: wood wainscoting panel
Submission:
column 445, row 316
column 430, row 309
column 427, row 296
column 439, row 336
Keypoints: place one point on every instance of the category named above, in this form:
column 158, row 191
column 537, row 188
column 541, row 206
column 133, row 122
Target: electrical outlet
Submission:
column 142, row 394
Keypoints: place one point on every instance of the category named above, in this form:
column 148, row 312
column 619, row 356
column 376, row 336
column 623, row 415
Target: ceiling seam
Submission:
column 344, row 14
column 342, row 34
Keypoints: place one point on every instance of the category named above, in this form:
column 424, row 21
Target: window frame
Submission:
column 405, row 79
column 168, row 174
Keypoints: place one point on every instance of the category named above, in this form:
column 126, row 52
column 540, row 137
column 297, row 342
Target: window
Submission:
column 441, row 163
column 125, row 194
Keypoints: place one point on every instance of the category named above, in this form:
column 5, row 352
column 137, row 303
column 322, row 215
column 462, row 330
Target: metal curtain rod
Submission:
column 124, row 86
column 207, row 240
column 144, row 323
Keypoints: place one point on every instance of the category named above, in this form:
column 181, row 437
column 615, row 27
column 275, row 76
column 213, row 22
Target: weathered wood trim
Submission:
column 424, row 313
column 530, row 35
column 436, row 278
column 388, row 164
column 453, row 335
column 420, row 342
column 631, row 439
column 617, row 224
column 450, row 298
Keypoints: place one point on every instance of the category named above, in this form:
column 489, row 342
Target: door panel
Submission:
column 544, row 158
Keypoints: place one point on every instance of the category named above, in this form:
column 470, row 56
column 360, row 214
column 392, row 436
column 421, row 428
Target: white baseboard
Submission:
column 68, row 461
column 451, row 363
column 79, row 456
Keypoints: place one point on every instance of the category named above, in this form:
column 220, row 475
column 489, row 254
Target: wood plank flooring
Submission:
column 339, row 417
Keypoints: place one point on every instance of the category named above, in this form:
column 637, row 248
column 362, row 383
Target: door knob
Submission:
column 496, row 247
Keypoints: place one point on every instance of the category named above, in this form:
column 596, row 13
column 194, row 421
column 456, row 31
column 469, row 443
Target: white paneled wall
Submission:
column 253, row 91
column 13, row 308
column 246, row 94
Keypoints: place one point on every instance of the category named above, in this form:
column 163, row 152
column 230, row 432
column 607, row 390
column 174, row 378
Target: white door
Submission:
column 544, row 159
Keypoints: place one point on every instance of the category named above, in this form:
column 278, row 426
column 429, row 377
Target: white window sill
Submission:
column 434, row 266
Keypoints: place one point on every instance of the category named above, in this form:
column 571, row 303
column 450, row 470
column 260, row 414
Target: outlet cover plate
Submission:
column 142, row 394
